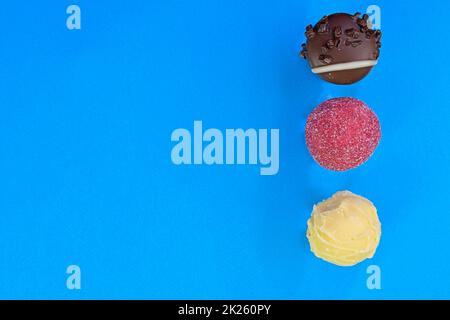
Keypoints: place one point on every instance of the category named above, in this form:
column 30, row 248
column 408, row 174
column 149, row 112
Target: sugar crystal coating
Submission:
column 342, row 133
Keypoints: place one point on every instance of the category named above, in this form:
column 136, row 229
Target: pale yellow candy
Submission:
column 344, row 229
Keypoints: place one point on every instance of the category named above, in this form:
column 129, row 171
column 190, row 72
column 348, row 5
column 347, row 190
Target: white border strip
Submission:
column 345, row 66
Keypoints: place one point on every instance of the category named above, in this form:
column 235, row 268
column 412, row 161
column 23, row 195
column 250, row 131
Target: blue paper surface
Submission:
column 86, row 176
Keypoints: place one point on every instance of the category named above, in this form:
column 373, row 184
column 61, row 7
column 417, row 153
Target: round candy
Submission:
column 342, row 48
column 342, row 133
column 344, row 229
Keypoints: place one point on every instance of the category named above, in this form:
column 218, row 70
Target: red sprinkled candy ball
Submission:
column 342, row 133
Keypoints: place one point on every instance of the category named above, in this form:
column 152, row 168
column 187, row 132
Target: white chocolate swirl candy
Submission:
column 344, row 229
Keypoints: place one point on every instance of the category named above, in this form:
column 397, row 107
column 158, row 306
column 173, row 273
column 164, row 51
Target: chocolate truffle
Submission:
column 342, row 48
column 342, row 133
column 344, row 229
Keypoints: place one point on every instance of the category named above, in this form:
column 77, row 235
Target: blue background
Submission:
column 86, row 176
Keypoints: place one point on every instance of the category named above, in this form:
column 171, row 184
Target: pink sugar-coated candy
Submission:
column 342, row 133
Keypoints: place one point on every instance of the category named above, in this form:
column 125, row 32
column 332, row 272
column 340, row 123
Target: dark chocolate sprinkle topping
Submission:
column 337, row 32
column 323, row 25
column 350, row 32
column 325, row 59
column 362, row 23
column 356, row 43
column 377, row 35
column 330, row 44
column 309, row 32
column 304, row 51
column 323, row 28
column 369, row 33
